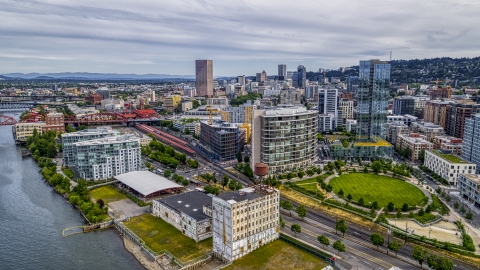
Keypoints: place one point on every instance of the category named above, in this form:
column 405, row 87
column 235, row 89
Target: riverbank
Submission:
column 135, row 250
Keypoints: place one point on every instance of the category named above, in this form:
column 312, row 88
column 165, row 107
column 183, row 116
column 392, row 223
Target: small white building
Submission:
column 188, row 212
column 447, row 165
column 244, row 220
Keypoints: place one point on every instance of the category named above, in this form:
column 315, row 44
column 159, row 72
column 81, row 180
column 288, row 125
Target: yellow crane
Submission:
column 248, row 128
column 211, row 110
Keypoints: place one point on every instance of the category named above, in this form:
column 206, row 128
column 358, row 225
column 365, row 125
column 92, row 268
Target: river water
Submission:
column 32, row 217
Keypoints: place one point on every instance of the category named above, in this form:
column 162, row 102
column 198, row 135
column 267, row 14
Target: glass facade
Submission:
column 373, row 93
column 471, row 136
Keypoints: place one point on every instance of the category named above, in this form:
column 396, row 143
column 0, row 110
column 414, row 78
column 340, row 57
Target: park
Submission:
column 379, row 188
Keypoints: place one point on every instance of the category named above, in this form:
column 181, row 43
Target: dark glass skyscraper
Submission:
column 373, row 93
column 302, row 77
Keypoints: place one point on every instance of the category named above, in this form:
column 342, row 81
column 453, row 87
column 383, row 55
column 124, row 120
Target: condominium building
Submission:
column 403, row 105
column 430, row 130
column 204, row 77
column 448, row 143
column 346, row 106
column 218, row 101
column 447, row 165
column 189, row 212
column 284, row 137
column 240, row 114
column 373, row 93
column 282, row 72
column 244, row 220
column 170, row 103
column 471, row 141
column 68, row 139
column 221, row 140
column 261, row 77
column 290, row 96
column 469, row 186
column 394, row 129
column 415, row 142
column 107, row 157
column 406, row 119
column 21, row 131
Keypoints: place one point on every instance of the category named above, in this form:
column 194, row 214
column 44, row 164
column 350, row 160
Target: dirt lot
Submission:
column 127, row 208
column 442, row 231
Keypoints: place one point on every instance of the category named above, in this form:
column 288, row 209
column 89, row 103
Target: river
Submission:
column 32, row 217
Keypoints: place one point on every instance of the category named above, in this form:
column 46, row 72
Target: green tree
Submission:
column 462, row 209
column 301, row 211
column 456, row 205
column 234, row 185
column 246, row 159
column 390, row 207
column 296, row 228
column 282, row 222
column 341, row 226
column 395, row 246
column 375, row 205
column 300, row 174
column 339, row 246
column 225, row 181
column 361, row 202
column 469, row 215
column 405, row 207
column 376, row 166
column 419, row 253
column 323, row 240
column 399, row 213
column 287, row 205
column 340, row 193
column 349, row 196
column 377, row 239
column 239, row 157
column 167, row 173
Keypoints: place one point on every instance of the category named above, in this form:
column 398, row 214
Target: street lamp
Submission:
column 388, row 237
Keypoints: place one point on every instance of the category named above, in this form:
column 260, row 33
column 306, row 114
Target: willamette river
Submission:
column 32, row 217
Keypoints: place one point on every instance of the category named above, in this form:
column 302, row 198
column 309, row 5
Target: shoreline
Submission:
column 134, row 249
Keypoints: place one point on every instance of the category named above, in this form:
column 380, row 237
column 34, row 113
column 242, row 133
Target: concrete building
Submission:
column 311, row 92
column 448, row 165
column 430, row 130
column 284, row 138
column 150, row 94
column 68, row 139
column 404, row 105
column 290, row 96
column 95, row 99
column 218, row 101
column 350, row 125
column 469, row 186
column 415, row 142
column 373, row 94
column 346, row 106
column 186, row 105
column 448, row 143
column 241, row 114
column 394, row 129
column 104, row 92
column 242, row 80
column 352, row 84
column 204, row 77
column 170, row 103
column 471, row 139
column 112, row 104
column 328, row 109
column 189, row 212
column 221, row 140
column 21, row 131
column 244, row 220
column 406, row 119
column 107, row 157
column 261, row 77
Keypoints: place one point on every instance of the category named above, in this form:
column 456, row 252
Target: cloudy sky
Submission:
column 240, row 36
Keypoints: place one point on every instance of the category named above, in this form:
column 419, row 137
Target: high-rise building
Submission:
column 282, row 72
column 221, row 140
column 403, row 105
column 284, row 137
column 471, row 137
column 301, row 77
column 352, row 84
column 261, row 77
column 107, row 157
column 68, row 139
column 204, row 77
column 373, row 94
column 54, row 88
column 328, row 108
column 244, row 220
column 241, row 80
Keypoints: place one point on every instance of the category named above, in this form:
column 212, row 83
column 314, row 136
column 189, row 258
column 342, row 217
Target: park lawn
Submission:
column 277, row 255
column 107, row 194
column 159, row 235
column 383, row 189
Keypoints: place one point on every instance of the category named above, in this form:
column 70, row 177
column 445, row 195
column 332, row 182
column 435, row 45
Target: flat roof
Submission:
column 190, row 203
column 239, row 195
column 450, row 157
column 145, row 182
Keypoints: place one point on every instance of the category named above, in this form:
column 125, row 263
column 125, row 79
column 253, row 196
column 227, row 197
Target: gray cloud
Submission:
column 242, row 37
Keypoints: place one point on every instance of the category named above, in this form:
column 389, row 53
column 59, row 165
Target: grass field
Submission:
column 378, row 188
column 107, row 194
column 160, row 235
column 277, row 255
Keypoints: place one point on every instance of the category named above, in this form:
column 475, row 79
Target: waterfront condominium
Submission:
column 471, row 137
column 107, row 157
column 244, row 220
column 373, row 94
column 204, row 78
column 68, row 139
column 284, row 137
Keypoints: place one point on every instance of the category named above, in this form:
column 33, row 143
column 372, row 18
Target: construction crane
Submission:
column 211, row 110
column 436, row 84
column 248, row 128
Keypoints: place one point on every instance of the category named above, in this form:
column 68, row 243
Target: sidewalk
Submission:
column 472, row 231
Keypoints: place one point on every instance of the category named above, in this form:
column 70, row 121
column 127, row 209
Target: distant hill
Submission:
column 93, row 76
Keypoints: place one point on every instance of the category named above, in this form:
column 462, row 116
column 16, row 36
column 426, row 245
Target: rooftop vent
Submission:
column 195, row 209
column 187, row 205
column 179, row 201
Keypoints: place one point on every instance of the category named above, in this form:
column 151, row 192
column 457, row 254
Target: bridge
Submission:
column 38, row 97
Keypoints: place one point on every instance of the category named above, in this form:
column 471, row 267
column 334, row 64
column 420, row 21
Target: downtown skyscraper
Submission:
column 301, row 77
column 204, row 78
column 373, row 93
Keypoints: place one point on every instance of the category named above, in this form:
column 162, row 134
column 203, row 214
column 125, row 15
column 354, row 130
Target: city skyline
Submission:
column 242, row 37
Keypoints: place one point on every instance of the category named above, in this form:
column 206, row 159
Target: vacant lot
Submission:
column 107, row 194
column 278, row 255
column 160, row 235
column 383, row 189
